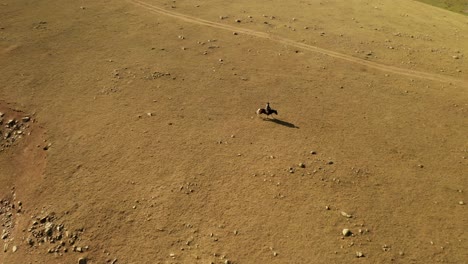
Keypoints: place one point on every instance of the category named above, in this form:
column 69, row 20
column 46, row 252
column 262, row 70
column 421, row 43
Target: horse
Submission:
column 266, row 111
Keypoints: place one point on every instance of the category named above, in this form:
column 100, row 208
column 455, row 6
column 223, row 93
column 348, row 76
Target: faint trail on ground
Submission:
column 370, row 64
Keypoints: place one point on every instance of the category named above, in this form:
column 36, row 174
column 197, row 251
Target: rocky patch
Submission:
column 12, row 129
column 46, row 232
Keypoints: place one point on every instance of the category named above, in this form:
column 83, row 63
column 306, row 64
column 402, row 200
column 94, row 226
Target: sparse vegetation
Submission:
column 458, row 6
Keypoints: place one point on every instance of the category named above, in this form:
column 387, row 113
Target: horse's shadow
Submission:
column 281, row 122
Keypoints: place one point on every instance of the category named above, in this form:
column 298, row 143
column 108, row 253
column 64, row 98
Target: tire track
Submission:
column 289, row 42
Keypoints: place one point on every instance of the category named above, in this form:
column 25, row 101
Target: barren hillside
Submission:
column 129, row 133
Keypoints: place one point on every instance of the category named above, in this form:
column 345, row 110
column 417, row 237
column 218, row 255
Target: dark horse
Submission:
column 267, row 110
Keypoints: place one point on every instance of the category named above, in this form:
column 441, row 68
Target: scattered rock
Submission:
column 48, row 228
column 346, row 215
column 47, row 147
column 14, row 249
column 45, row 231
column 346, row 232
column 11, row 123
column 461, row 202
column 359, row 254
column 301, row 165
column 313, row 152
column 82, row 261
column 385, row 248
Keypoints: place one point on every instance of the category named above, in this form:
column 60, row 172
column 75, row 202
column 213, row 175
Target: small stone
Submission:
column 149, row 114
column 2, row 114
column 275, row 253
column 302, row 165
column 10, row 123
column 330, row 162
column 313, row 152
column 461, row 202
column 5, row 235
column 48, row 228
column 79, row 249
column 238, row 20
column 82, row 261
column 455, row 57
column 5, row 247
column 346, row 215
column 346, row 232
column 327, row 207
column 26, row 119
column 359, row 254
column 14, row 249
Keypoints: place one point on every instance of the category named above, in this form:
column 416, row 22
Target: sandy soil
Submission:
column 143, row 145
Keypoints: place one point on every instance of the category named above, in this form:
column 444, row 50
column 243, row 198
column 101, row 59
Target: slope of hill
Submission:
column 143, row 145
column 458, row 6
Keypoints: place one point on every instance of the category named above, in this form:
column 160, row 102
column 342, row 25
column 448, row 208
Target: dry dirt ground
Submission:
column 142, row 143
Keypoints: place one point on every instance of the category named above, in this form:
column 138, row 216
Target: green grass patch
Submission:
column 458, row 6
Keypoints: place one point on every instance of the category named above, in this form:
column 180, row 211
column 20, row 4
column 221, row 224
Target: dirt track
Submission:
column 386, row 68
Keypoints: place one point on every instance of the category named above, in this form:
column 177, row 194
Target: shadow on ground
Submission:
column 281, row 122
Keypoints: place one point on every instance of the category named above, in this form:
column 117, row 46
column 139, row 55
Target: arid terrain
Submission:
column 129, row 132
